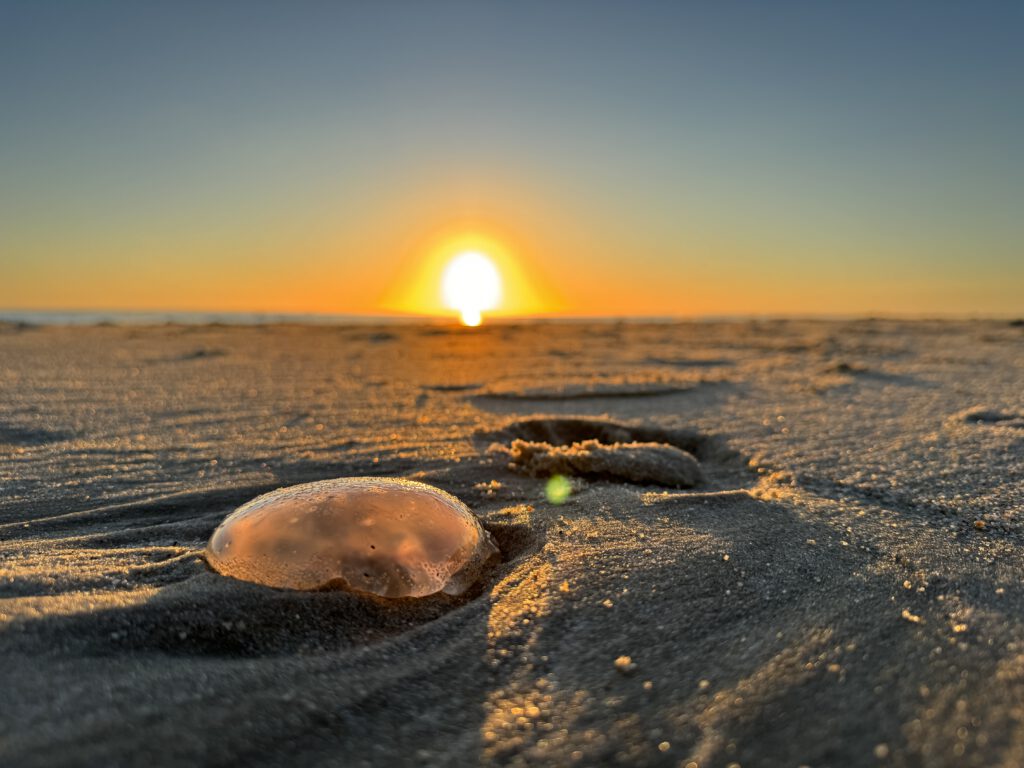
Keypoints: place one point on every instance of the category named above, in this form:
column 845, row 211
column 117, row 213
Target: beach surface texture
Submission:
column 779, row 543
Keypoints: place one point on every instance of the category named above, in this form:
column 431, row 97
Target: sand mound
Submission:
column 640, row 463
column 576, row 429
column 983, row 415
column 585, row 391
column 689, row 362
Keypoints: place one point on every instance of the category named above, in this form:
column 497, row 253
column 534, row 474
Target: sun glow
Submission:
column 476, row 275
column 471, row 284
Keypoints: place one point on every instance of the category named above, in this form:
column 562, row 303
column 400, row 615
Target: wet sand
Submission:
column 839, row 585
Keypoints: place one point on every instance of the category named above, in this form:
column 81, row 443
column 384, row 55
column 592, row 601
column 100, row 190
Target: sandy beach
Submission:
column 841, row 587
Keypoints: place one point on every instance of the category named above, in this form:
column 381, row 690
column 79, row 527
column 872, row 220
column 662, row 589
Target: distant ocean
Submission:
column 37, row 317
column 266, row 318
column 197, row 318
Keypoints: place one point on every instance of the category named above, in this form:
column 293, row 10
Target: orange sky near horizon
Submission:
column 555, row 274
column 326, row 288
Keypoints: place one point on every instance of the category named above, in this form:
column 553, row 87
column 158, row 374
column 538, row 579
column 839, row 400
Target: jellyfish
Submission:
column 384, row 536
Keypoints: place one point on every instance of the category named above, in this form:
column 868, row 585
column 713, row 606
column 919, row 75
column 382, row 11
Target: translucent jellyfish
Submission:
column 385, row 536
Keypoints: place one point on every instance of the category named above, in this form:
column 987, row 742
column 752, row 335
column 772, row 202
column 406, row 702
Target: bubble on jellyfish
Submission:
column 384, row 536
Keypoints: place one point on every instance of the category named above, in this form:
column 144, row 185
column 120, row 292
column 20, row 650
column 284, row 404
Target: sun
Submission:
column 471, row 284
column 466, row 272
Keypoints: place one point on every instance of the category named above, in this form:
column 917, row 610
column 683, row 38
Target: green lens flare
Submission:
column 558, row 489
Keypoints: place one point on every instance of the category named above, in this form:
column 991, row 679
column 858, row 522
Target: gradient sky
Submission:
column 634, row 157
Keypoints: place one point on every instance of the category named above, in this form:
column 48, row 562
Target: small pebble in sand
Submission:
column 911, row 617
column 489, row 488
column 383, row 536
column 881, row 751
column 625, row 664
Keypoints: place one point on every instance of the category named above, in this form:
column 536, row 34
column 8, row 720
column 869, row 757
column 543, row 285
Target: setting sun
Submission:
column 463, row 269
column 471, row 284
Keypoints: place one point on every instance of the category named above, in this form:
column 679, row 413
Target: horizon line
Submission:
column 92, row 317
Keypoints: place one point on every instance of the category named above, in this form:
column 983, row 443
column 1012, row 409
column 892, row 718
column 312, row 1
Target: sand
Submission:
column 841, row 586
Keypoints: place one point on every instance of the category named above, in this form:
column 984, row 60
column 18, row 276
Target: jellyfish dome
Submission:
column 384, row 536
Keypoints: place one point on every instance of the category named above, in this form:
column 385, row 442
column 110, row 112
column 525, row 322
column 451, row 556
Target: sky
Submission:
column 626, row 158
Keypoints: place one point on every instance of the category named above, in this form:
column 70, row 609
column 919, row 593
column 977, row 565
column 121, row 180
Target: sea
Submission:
column 119, row 317
column 34, row 317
